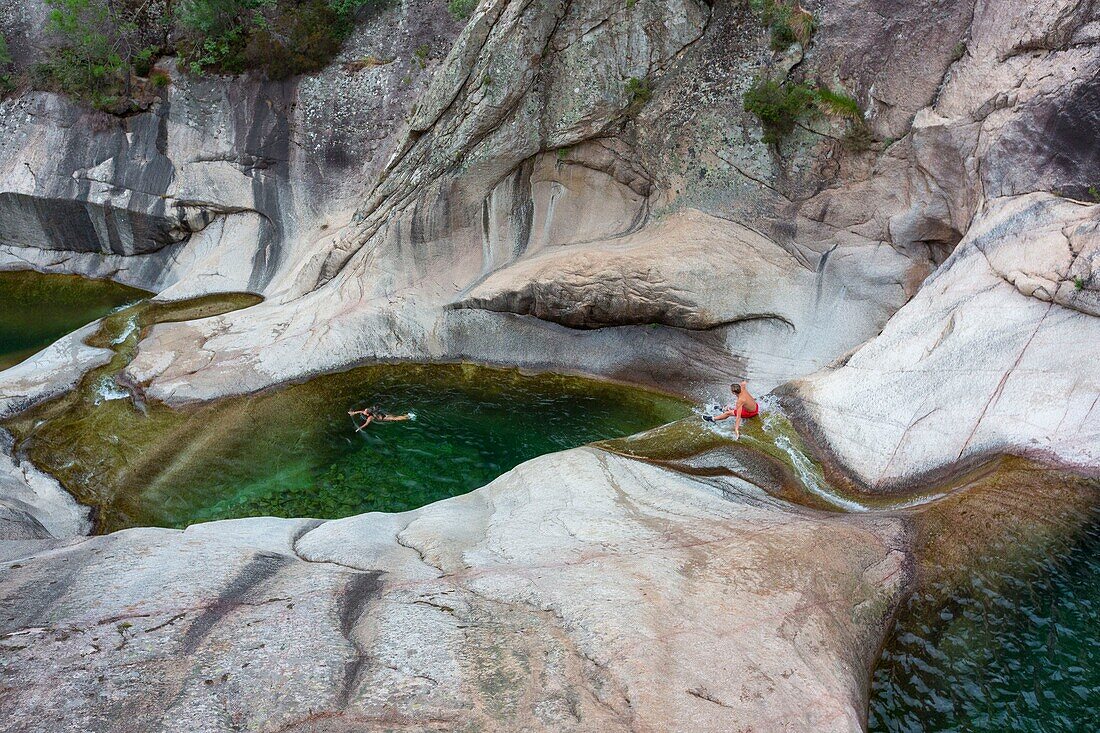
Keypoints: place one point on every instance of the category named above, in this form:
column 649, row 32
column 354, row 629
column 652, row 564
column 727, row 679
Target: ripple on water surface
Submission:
column 294, row 451
column 1004, row 635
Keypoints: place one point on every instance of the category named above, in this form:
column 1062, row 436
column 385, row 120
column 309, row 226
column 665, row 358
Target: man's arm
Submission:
column 737, row 425
column 370, row 419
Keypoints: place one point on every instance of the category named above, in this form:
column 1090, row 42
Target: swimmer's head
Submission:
column 735, row 388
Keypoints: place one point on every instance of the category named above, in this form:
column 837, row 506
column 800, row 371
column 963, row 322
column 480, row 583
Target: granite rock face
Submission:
column 560, row 185
column 613, row 596
column 555, row 164
column 220, row 184
column 996, row 353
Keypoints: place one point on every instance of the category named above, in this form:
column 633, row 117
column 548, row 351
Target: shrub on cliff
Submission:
column 99, row 47
column 6, row 83
column 779, row 106
column 281, row 38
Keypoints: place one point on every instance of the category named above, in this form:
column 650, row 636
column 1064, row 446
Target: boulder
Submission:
column 994, row 354
column 579, row 591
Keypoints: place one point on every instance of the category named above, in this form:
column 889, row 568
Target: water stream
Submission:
column 1001, row 634
column 1002, row 631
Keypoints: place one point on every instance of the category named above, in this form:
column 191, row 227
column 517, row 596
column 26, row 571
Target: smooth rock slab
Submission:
column 997, row 353
column 580, row 591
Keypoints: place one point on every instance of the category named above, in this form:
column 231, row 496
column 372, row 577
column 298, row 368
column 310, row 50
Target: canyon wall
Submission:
column 571, row 186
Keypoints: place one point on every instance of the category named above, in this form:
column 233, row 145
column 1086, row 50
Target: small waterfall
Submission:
column 107, row 389
column 777, row 425
column 127, row 331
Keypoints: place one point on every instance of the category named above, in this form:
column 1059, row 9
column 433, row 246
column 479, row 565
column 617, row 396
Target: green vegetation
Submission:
column 639, row 92
column 422, row 54
column 6, row 82
column 281, row 38
column 788, row 22
column 461, row 9
column 103, row 52
column 781, row 105
column 1094, row 193
column 99, row 48
column 838, row 104
column 1079, row 283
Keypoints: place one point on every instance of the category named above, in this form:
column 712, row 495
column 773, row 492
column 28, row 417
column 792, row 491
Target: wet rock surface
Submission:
column 926, row 295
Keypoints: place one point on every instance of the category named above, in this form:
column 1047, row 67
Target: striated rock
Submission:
column 221, row 182
column 613, row 596
column 764, row 304
column 566, row 185
column 995, row 353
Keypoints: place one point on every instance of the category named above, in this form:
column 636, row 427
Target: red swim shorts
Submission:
column 746, row 412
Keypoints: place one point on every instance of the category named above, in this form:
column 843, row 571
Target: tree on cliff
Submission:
column 98, row 47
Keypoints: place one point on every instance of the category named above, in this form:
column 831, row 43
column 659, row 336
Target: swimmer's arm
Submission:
column 737, row 425
column 370, row 419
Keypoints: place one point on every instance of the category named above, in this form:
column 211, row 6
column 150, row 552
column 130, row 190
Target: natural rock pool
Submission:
column 294, row 451
column 1001, row 635
column 38, row 309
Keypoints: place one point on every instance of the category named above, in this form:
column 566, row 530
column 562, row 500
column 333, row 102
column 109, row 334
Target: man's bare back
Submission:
column 745, row 407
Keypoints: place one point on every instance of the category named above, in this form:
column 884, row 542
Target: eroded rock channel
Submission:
column 883, row 216
column 294, row 451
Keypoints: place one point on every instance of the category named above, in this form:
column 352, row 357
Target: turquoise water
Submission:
column 294, row 451
column 37, row 309
column 1013, row 649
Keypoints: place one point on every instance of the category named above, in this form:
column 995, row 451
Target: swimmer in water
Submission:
column 745, row 407
column 374, row 414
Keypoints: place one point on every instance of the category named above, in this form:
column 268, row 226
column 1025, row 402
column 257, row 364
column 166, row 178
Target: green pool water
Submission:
column 37, row 309
column 1007, row 642
column 294, row 451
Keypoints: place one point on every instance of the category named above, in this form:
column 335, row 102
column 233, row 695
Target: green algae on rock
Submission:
column 999, row 631
column 37, row 309
column 294, row 451
column 769, row 454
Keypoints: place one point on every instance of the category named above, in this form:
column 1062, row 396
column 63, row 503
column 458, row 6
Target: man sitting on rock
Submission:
column 745, row 407
column 373, row 414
